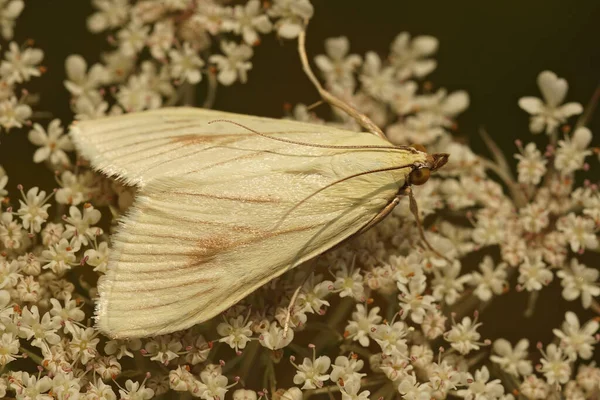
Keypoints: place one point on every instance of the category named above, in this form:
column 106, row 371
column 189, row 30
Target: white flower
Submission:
column 549, row 114
column 111, row 14
column 13, row 114
column 213, row 385
column 580, row 232
column 411, row 389
column 161, row 39
column 513, row 361
column 376, row 80
column 293, row 393
column 197, row 348
column 43, row 332
column 163, row 348
column 434, row 324
column 247, row 20
column 53, row 144
column 533, row 273
column 571, row 153
column 79, row 227
column 534, row 217
column 579, row 280
column 236, row 332
column 9, row 12
column 11, row 232
column 534, row 388
column 312, row 373
column 82, row 346
column 531, row 166
column 185, row 64
column 121, row 347
column 9, row 347
column 32, row 388
column 337, row 66
column 75, row 189
column 67, row 314
column 292, row 14
column 413, row 301
column 234, row 65
column 98, row 258
column 244, row 394
column 576, row 340
column 442, row 106
column 444, row 376
column 447, row 284
column 19, row 66
column 9, row 272
column 33, row 211
column 349, row 282
column 99, row 391
column 273, row 338
column 132, row 38
column 61, row 256
column 463, row 336
column 135, row 391
column 555, row 365
column 3, row 182
column 65, row 386
column 346, row 369
column 391, row 337
column 359, row 328
column 410, row 57
column 350, row 391
column 80, row 81
column 479, row 388
column 490, row 281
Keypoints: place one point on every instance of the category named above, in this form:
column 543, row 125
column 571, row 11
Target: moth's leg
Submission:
column 290, row 308
column 381, row 215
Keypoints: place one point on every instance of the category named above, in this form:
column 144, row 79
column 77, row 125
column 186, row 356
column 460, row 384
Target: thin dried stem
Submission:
column 588, row 112
column 361, row 118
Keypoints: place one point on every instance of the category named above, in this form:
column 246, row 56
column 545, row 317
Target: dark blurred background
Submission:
column 492, row 49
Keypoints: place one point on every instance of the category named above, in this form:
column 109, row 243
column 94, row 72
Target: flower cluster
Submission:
column 386, row 314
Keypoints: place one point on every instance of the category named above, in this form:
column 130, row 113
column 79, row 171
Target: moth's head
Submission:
column 422, row 171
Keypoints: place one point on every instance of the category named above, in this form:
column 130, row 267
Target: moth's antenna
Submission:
column 361, row 118
column 339, row 181
column 324, row 146
column 414, row 209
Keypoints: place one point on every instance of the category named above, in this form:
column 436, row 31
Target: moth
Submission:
column 228, row 202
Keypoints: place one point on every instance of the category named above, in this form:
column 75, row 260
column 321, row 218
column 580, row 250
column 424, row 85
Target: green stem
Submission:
column 37, row 359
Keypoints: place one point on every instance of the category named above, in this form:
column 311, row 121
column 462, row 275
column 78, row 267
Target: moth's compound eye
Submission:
column 419, row 176
column 419, row 147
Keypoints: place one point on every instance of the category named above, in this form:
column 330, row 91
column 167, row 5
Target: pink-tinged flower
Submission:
column 236, row 332
column 135, row 391
column 549, row 113
column 30, row 387
column 534, row 388
column 79, row 225
column 532, row 166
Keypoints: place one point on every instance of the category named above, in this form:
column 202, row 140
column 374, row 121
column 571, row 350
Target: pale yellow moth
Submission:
column 222, row 209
